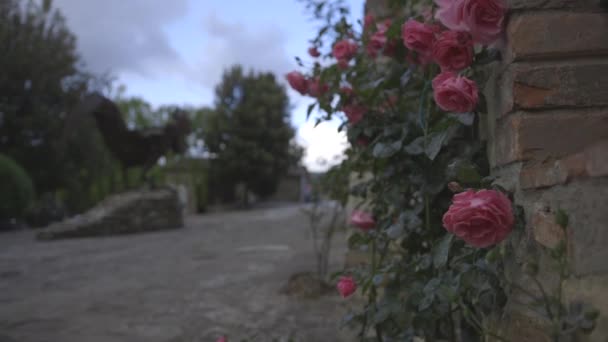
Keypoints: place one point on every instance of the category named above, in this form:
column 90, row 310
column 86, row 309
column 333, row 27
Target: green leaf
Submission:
column 467, row 173
column 426, row 302
column 378, row 279
column 434, row 146
column 488, row 56
column 309, row 110
column 466, row 119
column 416, row 147
column 383, row 150
column 422, row 109
column 394, row 231
column 442, row 250
column 406, row 77
column 561, row 218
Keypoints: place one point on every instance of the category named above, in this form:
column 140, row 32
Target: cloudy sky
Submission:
column 174, row 51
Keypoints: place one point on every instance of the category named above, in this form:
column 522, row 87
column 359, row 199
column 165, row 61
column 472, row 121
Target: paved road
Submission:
column 220, row 274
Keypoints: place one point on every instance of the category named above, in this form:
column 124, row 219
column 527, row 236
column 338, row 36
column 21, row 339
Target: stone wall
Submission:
column 547, row 132
column 125, row 213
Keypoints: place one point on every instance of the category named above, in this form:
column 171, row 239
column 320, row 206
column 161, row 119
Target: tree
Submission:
column 40, row 81
column 249, row 134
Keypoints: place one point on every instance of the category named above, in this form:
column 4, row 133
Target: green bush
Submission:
column 16, row 189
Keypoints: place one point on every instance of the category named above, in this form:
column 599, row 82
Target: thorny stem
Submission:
column 427, row 212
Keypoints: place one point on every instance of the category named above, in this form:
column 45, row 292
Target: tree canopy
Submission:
column 248, row 134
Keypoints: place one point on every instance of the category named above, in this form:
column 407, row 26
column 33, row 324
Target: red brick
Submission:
column 556, row 35
column 579, row 84
column 551, row 135
column 549, row 85
column 545, row 230
column 592, row 162
column 554, row 4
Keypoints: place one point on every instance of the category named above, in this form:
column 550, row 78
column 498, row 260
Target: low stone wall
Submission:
column 125, row 213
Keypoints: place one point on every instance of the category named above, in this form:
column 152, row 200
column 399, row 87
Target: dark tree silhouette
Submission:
column 135, row 148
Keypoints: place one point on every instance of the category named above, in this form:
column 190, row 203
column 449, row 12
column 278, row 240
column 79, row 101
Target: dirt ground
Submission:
column 221, row 274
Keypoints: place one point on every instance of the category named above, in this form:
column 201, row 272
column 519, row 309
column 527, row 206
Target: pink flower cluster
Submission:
column 451, row 46
column 306, row 86
column 344, row 51
column 378, row 41
column 483, row 19
column 469, row 22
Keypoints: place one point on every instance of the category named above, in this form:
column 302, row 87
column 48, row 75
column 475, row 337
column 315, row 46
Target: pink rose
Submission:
column 484, row 19
column 354, row 112
column 346, row 286
column 222, row 339
column 298, row 82
column 344, row 50
column 482, row 219
column 419, row 37
column 362, row 141
column 455, row 93
column 376, row 44
column 316, row 88
column 362, row 220
column 379, row 42
column 313, row 52
column 453, row 50
column 450, row 14
column 347, row 91
column 342, row 64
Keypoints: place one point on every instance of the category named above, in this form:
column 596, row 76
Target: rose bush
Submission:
column 410, row 119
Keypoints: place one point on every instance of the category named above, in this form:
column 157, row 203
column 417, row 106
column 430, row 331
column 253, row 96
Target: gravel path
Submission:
column 219, row 275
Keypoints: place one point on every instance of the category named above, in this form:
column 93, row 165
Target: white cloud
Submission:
column 125, row 35
column 260, row 48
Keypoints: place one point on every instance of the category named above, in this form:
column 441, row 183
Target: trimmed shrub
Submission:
column 16, row 189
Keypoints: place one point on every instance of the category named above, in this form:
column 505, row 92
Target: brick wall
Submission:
column 547, row 132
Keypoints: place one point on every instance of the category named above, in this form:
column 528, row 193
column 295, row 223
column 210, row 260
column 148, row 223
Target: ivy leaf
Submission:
column 442, row 250
column 466, row 119
column 416, row 147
